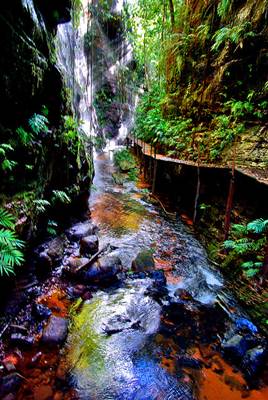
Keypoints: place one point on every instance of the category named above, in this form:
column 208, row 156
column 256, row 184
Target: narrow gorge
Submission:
column 133, row 204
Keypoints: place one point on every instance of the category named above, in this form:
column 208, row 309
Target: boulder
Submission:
column 55, row 247
column 89, row 245
column 235, row 347
column 80, row 230
column 75, row 263
column 105, row 269
column 143, row 262
column 56, row 331
column 10, row 384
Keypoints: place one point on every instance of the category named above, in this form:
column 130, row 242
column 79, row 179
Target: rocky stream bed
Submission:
column 124, row 305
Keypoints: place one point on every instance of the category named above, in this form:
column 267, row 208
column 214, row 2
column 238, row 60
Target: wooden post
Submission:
column 197, row 194
column 155, row 172
column 229, row 204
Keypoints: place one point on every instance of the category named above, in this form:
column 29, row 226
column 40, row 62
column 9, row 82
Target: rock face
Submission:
column 31, row 84
column 56, row 331
column 143, row 262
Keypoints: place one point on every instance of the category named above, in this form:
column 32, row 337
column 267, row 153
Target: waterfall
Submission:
column 95, row 59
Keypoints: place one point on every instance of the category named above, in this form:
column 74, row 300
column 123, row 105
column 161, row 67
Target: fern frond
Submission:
column 61, row 196
column 258, row 226
column 6, row 219
column 38, row 123
column 41, row 205
column 240, row 229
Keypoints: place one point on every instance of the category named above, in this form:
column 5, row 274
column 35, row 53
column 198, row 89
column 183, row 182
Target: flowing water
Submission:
column 138, row 339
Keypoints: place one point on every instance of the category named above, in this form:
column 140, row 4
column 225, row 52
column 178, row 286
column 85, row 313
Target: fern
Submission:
column 10, row 245
column 61, row 196
column 24, row 136
column 38, row 123
column 52, row 227
column 41, row 205
column 258, row 226
column 6, row 220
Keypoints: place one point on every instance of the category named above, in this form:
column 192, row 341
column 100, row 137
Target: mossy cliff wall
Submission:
column 30, row 82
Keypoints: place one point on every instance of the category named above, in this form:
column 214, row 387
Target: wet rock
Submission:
column 106, row 269
column 76, row 263
column 235, row 347
column 188, row 362
column 143, row 262
column 9, row 365
column 89, row 245
column 182, row 294
column 245, row 324
column 253, row 360
column 87, row 295
column 80, row 230
column 41, row 312
column 158, row 277
column 56, row 331
column 10, row 384
column 44, row 262
column 22, row 340
column 55, row 247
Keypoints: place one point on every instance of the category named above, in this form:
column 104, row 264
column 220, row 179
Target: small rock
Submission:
column 89, row 245
column 253, row 360
column 21, row 340
column 10, row 384
column 143, row 262
column 40, row 311
column 183, row 295
column 87, row 295
column 81, row 230
column 56, row 330
column 78, row 290
column 9, row 366
column 235, row 347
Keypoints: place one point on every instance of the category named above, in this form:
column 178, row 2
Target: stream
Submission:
column 161, row 329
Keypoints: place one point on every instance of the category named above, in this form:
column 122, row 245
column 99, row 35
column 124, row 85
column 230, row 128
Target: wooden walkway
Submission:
column 258, row 174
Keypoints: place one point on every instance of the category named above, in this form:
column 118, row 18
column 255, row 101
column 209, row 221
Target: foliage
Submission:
column 249, row 243
column 5, row 162
column 52, row 227
column 232, row 34
column 10, row 245
column 224, row 8
column 38, row 123
column 61, row 196
column 41, row 205
column 124, row 160
column 77, row 9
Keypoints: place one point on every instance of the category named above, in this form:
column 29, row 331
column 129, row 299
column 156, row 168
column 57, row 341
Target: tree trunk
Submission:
column 229, row 206
column 172, row 14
